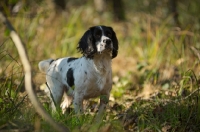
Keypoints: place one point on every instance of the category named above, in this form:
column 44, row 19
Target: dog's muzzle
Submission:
column 104, row 44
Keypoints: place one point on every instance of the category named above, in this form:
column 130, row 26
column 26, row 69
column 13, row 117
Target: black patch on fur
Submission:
column 70, row 77
column 71, row 59
column 115, row 43
column 51, row 62
column 87, row 44
column 85, row 72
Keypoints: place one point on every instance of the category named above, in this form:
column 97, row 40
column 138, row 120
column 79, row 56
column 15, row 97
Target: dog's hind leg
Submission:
column 78, row 103
column 66, row 102
column 56, row 93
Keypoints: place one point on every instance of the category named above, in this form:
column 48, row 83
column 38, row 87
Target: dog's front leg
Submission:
column 78, row 103
column 104, row 99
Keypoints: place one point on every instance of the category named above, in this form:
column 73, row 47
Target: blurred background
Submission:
column 159, row 44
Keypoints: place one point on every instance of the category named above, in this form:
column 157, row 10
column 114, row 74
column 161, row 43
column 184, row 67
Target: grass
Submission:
column 155, row 75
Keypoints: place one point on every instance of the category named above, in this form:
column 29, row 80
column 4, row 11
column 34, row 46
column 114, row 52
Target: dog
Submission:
column 86, row 77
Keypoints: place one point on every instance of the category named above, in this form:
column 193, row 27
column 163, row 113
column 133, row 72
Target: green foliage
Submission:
column 11, row 84
column 155, row 79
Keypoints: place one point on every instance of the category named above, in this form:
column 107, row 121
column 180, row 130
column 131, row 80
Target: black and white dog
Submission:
column 86, row 77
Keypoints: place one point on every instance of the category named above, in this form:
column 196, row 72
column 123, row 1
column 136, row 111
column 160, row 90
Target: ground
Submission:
column 155, row 75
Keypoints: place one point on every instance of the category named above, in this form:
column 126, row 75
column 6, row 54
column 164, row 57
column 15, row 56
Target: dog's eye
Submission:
column 98, row 35
column 109, row 34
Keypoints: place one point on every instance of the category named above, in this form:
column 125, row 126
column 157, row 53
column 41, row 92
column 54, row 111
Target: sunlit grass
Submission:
column 155, row 76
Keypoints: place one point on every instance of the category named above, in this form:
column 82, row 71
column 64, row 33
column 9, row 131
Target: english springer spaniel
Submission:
column 86, row 77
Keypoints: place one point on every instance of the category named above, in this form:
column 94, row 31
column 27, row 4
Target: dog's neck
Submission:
column 102, row 63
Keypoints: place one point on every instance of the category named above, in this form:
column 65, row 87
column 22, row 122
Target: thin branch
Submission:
column 196, row 52
column 28, row 76
column 197, row 90
column 176, row 100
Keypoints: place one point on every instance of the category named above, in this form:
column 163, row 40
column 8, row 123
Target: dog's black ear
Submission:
column 115, row 44
column 86, row 46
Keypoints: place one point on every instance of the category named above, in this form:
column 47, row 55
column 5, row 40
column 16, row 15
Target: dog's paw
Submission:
column 66, row 102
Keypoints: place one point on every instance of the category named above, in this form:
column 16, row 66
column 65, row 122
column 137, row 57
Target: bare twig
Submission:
column 28, row 76
column 196, row 52
column 196, row 90
column 176, row 100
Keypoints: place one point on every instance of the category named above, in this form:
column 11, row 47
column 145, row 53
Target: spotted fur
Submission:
column 86, row 77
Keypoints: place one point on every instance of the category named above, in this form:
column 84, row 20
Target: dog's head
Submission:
column 97, row 40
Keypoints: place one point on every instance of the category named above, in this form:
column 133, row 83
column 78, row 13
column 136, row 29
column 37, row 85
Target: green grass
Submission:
column 155, row 75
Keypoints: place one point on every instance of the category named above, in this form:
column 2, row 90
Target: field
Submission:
column 155, row 75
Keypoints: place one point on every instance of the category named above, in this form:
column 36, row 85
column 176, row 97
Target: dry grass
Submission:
column 156, row 74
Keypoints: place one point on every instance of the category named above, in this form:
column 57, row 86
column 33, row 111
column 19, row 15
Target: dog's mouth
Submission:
column 107, row 49
column 104, row 48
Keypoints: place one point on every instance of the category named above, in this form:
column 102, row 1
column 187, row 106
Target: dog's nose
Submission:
column 107, row 41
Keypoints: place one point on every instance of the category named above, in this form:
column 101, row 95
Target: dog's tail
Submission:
column 44, row 65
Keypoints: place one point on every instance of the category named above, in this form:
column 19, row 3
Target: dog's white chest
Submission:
column 95, row 87
column 90, row 79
